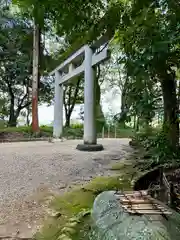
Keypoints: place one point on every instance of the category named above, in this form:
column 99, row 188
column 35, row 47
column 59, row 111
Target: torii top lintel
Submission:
column 80, row 53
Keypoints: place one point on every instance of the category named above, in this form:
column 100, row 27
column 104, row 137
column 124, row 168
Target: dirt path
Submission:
column 32, row 172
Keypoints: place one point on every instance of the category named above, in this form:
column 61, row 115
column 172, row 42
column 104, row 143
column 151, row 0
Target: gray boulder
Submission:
column 111, row 222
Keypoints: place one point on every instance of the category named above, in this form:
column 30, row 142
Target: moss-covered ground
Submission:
column 71, row 219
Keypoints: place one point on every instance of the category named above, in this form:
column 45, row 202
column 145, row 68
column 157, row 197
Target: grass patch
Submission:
column 73, row 202
column 101, row 184
column 74, row 207
column 122, row 166
column 118, row 166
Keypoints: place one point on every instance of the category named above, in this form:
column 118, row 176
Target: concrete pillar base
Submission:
column 90, row 147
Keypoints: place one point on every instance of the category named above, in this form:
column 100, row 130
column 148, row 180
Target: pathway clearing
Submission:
column 31, row 172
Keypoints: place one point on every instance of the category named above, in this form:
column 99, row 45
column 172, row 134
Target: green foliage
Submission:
column 73, row 132
column 100, row 19
column 15, row 64
column 27, row 132
column 158, row 151
column 70, row 21
column 46, row 128
column 161, row 150
column 150, row 49
column 16, row 41
column 2, row 124
column 77, row 125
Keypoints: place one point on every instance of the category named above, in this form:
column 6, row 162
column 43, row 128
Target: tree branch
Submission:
column 69, row 98
column 22, row 107
column 98, row 72
column 64, row 101
column 10, row 88
column 22, row 100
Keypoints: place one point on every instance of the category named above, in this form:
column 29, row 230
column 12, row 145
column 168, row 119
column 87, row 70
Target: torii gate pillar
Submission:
column 90, row 136
column 58, row 107
column 89, row 100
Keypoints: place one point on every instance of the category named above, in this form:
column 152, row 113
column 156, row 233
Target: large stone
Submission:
column 111, row 222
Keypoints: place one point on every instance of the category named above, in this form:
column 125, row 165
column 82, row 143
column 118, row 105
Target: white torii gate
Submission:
column 83, row 60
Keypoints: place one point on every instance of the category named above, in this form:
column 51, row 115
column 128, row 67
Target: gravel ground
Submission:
column 32, row 171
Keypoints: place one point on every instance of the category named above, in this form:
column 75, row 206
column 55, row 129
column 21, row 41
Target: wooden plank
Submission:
column 134, row 201
column 138, row 200
column 136, row 193
column 149, row 212
column 144, row 207
column 134, row 198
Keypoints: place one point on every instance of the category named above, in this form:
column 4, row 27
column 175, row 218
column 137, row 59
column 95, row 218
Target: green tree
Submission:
column 73, row 94
column 148, row 38
column 16, row 66
column 68, row 20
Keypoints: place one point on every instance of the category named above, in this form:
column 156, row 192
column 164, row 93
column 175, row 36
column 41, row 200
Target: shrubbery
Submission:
column 45, row 131
column 157, row 149
column 75, row 131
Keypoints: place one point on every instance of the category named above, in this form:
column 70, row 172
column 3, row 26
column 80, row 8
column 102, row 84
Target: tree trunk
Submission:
column 134, row 122
column 123, row 103
column 137, row 124
column 179, row 97
column 36, row 44
column 12, row 121
column 69, row 101
column 12, row 116
column 69, row 107
column 27, row 116
column 100, row 119
column 171, row 125
column 68, row 117
column 28, row 107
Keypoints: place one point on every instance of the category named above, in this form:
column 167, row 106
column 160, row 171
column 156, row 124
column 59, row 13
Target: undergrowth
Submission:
column 75, row 131
column 156, row 148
